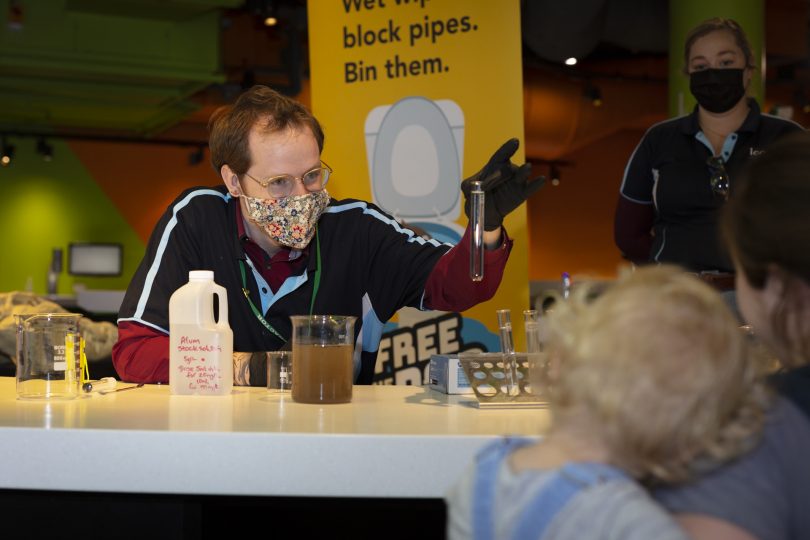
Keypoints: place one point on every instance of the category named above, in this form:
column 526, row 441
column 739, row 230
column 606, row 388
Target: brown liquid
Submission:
column 322, row 374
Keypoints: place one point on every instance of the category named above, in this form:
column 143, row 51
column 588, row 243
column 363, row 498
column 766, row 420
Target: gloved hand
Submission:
column 505, row 185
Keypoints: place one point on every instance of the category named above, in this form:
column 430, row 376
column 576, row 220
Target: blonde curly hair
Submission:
column 660, row 370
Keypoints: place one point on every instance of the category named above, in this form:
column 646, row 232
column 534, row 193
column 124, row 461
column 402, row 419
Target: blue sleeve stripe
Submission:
column 164, row 240
column 372, row 328
column 385, row 219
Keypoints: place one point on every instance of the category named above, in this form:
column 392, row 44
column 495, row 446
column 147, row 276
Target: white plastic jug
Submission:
column 200, row 349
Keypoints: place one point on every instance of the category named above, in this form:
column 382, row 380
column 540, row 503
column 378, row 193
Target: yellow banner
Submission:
column 413, row 97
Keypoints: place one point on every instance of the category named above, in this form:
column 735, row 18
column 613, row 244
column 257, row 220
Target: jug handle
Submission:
column 222, row 316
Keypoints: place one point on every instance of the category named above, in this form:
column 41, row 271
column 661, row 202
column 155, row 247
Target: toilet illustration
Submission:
column 415, row 155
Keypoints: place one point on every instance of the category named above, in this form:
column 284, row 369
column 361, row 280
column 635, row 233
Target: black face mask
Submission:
column 717, row 90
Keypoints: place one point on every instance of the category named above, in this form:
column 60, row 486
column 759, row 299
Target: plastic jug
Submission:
column 200, row 348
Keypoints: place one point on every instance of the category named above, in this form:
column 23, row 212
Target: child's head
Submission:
column 658, row 370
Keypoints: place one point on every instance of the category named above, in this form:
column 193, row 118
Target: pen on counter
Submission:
column 102, row 385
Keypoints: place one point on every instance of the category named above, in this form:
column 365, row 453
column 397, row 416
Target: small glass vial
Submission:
column 531, row 322
column 477, row 232
column 510, row 367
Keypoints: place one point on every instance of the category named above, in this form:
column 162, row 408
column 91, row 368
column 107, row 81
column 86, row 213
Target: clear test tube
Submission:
column 505, row 328
column 531, row 322
column 477, row 230
column 508, row 351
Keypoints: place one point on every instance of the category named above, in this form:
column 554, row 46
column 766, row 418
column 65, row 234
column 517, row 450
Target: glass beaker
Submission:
column 322, row 358
column 48, row 356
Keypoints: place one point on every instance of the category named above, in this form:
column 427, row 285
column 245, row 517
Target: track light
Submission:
column 45, row 150
column 197, row 156
column 267, row 10
column 592, row 93
column 8, row 153
column 554, row 174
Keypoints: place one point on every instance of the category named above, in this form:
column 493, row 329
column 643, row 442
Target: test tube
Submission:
column 531, row 323
column 477, row 230
column 508, row 351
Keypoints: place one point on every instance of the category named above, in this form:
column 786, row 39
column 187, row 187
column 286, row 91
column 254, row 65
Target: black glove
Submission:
column 505, row 185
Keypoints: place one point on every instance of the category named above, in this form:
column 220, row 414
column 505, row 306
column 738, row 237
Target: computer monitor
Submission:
column 95, row 259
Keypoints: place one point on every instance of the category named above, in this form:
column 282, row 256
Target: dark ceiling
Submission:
column 147, row 80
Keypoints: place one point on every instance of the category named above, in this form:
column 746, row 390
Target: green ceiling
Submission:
column 123, row 66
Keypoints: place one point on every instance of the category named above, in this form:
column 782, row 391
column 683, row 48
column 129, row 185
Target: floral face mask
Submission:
column 290, row 221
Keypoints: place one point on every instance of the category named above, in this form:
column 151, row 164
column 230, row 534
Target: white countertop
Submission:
column 391, row 441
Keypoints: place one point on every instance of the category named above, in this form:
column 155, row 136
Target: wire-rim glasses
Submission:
column 282, row 185
column 719, row 180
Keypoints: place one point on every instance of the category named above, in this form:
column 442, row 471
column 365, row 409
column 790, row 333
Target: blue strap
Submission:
column 569, row 480
column 489, row 460
column 546, row 504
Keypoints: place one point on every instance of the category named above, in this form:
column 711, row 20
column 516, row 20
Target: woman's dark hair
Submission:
column 713, row 25
column 767, row 219
column 230, row 126
column 766, row 224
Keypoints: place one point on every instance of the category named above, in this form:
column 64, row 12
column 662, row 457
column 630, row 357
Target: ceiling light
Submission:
column 7, row 154
column 45, row 150
column 554, row 173
column 197, row 156
column 592, row 93
column 570, row 61
column 267, row 10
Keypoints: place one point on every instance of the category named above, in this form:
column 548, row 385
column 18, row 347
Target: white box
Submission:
column 446, row 375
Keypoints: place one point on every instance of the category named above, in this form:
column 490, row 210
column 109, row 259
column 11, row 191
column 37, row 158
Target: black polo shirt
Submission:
column 668, row 169
column 370, row 268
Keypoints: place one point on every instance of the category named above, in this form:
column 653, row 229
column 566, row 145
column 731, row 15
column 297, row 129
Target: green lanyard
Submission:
column 315, row 287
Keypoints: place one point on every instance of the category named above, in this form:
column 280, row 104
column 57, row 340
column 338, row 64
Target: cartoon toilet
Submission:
column 415, row 156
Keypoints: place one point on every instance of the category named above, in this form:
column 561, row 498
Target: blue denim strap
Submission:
column 569, row 480
column 488, row 461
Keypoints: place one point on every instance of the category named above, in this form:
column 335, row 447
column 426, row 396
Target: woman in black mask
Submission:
column 683, row 169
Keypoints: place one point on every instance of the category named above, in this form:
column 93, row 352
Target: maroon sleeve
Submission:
column 141, row 354
column 449, row 287
column 632, row 229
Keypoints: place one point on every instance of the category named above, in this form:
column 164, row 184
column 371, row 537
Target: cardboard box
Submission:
column 446, row 375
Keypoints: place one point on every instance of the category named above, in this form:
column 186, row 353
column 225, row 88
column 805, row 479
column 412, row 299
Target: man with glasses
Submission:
column 281, row 246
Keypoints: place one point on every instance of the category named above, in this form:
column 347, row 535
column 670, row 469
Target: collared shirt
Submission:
column 276, row 269
column 668, row 171
column 370, row 267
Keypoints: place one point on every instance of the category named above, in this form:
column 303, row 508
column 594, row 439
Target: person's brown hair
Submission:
column 765, row 224
column 230, row 125
column 713, row 25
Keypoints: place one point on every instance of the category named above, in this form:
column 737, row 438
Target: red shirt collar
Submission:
column 283, row 264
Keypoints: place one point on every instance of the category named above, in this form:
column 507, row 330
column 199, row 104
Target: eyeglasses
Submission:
column 282, row 185
column 719, row 180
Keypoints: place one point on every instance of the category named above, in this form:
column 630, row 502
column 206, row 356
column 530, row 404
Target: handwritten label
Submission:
column 195, row 361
